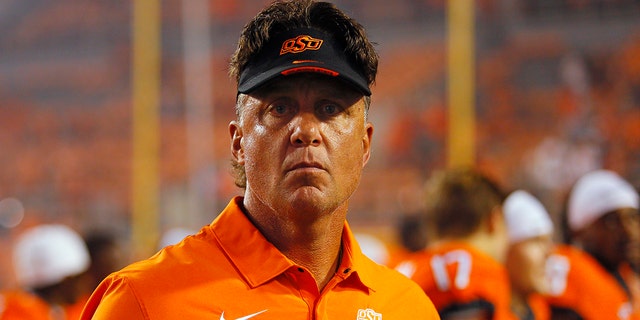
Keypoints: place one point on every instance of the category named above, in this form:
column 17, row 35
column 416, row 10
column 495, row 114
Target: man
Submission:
column 299, row 143
column 48, row 261
column 530, row 233
column 603, row 224
column 462, row 269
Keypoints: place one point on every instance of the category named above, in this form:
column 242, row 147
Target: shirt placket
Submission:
column 306, row 286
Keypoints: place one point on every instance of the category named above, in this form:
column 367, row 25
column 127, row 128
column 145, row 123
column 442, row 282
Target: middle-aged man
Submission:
column 299, row 144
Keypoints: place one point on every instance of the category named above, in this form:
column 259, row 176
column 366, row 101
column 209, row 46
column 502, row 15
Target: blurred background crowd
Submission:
column 557, row 95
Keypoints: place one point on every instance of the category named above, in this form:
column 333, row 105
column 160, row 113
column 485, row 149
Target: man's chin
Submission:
column 306, row 194
column 311, row 199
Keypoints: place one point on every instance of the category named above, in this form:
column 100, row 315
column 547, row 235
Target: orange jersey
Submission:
column 398, row 255
column 18, row 305
column 539, row 307
column 230, row 271
column 580, row 284
column 455, row 274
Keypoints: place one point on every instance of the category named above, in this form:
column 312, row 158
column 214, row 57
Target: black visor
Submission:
column 301, row 50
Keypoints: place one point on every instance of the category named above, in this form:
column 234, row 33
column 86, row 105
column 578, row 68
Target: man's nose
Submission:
column 306, row 130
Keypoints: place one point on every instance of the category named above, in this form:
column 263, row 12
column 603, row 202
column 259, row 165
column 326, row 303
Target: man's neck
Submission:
column 314, row 245
column 321, row 258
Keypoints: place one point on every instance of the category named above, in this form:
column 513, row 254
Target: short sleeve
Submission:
column 114, row 298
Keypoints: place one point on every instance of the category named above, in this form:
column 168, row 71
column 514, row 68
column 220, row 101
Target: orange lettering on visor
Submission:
column 300, row 44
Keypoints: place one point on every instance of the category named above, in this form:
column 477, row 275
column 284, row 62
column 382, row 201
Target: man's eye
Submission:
column 330, row 109
column 279, row 109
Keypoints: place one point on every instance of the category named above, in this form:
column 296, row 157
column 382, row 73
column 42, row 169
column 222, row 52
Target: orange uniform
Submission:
column 230, row 271
column 18, row 305
column 632, row 279
column 455, row 275
column 581, row 285
column 539, row 307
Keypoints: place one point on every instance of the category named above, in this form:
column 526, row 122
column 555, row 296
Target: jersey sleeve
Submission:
column 114, row 298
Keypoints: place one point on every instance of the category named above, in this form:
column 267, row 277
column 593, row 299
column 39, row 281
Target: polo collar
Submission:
column 247, row 248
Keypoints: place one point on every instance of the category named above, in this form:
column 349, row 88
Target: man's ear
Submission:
column 366, row 143
column 235, row 132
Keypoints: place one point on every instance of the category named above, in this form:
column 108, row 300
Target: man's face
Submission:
column 614, row 237
column 526, row 262
column 303, row 141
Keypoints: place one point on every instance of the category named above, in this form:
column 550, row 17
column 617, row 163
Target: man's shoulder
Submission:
column 424, row 265
column 578, row 283
column 192, row 256
column 181, row 273
column 576, row 270
column 575, row 259
column 406, row 294
column 458, row 253
column 393, row 281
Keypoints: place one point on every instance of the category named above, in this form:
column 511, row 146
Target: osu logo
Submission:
column 299, row 44
column 368, row 314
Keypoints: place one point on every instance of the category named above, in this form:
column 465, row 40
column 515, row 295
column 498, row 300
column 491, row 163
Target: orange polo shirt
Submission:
column 455, row 274
column 579, row 283
column 230, row 271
